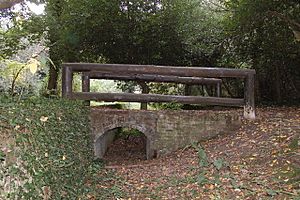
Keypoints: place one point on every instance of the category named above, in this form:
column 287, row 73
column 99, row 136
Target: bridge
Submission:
column 165, row 131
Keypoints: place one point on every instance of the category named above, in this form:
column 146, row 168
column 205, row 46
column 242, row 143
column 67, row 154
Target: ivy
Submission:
column 54, row 154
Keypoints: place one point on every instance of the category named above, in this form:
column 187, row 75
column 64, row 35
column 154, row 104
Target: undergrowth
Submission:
column 51, row 156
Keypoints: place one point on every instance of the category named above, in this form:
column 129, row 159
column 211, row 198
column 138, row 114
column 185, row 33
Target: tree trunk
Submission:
column 52, row 81
column 145, row 90
column 54, row 10
column 277, row 85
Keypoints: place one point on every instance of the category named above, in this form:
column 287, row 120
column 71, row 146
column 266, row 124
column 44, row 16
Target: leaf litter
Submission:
column 260, row 161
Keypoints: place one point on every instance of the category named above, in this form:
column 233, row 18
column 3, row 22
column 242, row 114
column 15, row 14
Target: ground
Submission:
column 260, row 161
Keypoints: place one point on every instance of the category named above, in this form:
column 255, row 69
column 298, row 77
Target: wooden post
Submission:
column 218, row 89
column 86, row 86
column 187, row 75
column 249, row 109
column 67, row 79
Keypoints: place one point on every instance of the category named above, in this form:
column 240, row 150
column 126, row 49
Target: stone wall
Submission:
column 166, row 131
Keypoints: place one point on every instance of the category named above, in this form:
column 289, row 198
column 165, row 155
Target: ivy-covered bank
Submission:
column 45, row 149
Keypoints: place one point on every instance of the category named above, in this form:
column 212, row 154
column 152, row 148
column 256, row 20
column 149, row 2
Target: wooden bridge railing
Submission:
column 187, row 75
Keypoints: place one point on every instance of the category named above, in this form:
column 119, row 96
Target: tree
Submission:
column 261, row 33
column 8, row 4
column 55, row 25
column 19, row 29
column 16, row 72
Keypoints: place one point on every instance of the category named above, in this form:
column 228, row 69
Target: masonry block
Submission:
column 166, row 131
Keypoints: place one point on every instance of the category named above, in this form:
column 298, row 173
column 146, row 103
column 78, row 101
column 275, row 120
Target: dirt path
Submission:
column 261, row 161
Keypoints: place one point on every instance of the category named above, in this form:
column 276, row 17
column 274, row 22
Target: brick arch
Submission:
column 105, row 137
column 148, row 131
column 166, row 131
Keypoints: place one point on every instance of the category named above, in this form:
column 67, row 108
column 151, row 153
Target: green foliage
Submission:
column 202, row 179
column 203, row 162
column 263, row 41
column 54, row 139
column 167, row 89
column 2, row 155
column 135, row 31
column 19, row 29
column 16, row 74
column 50, row 142
column 127, row 132
column 98, row 177
column 167, row 106
column 219, row 163
column 226, row 33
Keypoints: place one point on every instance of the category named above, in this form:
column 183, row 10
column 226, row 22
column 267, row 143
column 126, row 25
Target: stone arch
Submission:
column 106, row 136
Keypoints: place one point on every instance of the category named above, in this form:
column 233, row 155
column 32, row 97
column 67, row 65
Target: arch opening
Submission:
column 122, row 145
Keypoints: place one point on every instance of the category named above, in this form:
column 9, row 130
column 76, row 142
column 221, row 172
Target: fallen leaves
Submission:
column 258, row 157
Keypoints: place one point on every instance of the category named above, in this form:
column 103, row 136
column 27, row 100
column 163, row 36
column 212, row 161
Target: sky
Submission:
column 37, row 9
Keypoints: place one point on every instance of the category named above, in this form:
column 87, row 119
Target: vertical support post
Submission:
column 67, row 79
column 218, row 89
column 86, row 86
column 249, row 109
column 145, row 90
column 187, row 92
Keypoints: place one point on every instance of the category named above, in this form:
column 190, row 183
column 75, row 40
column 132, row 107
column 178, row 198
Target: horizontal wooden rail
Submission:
column 152, row 78
column 147, row 98
column 161, row 70
column 187, row 75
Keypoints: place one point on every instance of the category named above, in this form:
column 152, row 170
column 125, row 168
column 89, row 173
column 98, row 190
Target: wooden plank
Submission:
column 249, row 107
column 67, row 79
column 86, row 86
column 161, row 70
column 131, row 97
column 152, row 78
column 218, row 89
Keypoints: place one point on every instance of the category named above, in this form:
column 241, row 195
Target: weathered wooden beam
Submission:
column 249, row 107
column 67, row 79
column 162, row 70
column 218, row 89
column 153, row 78
column 248, row 75
column 131, row 97
column 85, row 86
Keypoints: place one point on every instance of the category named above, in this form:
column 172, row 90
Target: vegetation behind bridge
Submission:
column 262, row 35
